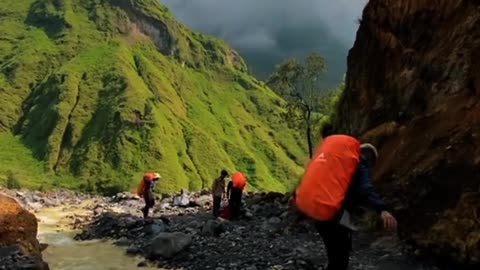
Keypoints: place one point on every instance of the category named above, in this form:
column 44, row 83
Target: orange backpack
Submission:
column 327, row 177
column 143, row 183
column 239, row 180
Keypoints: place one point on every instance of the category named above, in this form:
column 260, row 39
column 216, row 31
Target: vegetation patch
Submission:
column 91, row 97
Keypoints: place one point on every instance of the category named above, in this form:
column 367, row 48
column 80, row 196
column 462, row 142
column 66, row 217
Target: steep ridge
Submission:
column 105, row 89
column 413, row 89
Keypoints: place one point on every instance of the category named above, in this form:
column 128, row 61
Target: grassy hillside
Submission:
column 102, row 90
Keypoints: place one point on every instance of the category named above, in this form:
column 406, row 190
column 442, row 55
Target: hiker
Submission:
column 234, row 193
column 218, row 190
column 337, row 179
column 145, row 190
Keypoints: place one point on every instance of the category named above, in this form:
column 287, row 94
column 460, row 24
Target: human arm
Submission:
column 367, row 191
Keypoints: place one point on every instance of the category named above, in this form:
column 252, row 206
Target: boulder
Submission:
column 415, row 95
column 125, row 196
column 167, row 245
column 154, row 228
column 202, row 201
column 215, row 227
column 18, row 235
column 182, row 200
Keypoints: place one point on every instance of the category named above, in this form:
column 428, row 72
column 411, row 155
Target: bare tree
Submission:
column 298, row 83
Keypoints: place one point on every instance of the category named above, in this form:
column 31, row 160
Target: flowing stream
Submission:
column 63, row 252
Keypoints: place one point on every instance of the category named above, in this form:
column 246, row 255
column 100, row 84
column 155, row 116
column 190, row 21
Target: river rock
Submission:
column 125, row 196
column 214, row 227
column 133, row 250
column 181, row 200
column 43, row 246
column 204, row 200
column 154, row 228
column 142, row 264
column 22, row 262
column 167, row 245
column 18, row 228
column 34, row 205
column 122, row 242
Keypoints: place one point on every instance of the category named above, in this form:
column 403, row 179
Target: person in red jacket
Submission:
column 338, row 179
column 234, row 193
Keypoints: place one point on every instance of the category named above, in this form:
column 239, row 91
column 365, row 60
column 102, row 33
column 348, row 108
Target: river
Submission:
column 64, row 253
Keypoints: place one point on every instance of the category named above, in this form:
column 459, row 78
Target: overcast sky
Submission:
column 276, row 29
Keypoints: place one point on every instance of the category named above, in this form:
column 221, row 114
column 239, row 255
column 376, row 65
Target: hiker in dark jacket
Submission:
column 338, row 237
column 361, row 189
column 337, row 231
column 218, row 190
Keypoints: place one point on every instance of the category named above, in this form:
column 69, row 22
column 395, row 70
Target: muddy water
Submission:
column 65, row 253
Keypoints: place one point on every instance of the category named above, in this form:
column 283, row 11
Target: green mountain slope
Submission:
column 102, row 90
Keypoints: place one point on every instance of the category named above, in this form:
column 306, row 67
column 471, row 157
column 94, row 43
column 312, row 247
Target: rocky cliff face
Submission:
column 413, row 89
column 19, row 247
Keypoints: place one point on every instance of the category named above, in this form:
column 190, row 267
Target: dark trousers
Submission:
column 235, row 201
column 149, row 202
column 216, row 205
column 338, row 242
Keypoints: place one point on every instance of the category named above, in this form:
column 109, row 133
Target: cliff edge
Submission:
column 413, row 89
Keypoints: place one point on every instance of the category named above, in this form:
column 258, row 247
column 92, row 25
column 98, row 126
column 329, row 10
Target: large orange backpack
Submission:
column 143, row 183
column 327, row 177
column 239, row 180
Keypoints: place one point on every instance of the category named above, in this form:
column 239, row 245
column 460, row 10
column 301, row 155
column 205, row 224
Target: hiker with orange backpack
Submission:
column 234, row 193
column 337, row 179
column 145, row 190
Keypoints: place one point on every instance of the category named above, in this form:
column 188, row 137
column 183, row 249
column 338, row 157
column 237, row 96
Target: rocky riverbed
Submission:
column 182, row 234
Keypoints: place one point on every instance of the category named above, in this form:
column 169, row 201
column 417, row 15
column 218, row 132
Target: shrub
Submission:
column 12, row 181
column 109, row 188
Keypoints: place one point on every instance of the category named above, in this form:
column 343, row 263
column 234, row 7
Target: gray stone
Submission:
column 167, row 245
column 154, row 228
column 181, row 200
column 133, row 250
column 142, row 264
column 274, row 221
column 34, row 205
column 213, row 228
column 122, row 242
column 203, row 200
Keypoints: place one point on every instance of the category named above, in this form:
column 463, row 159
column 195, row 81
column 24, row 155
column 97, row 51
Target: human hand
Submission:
column 389, row 221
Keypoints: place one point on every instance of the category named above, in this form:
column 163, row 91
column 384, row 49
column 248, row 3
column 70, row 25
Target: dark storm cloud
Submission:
column 267, row 31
